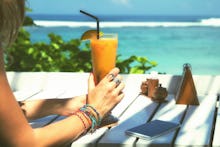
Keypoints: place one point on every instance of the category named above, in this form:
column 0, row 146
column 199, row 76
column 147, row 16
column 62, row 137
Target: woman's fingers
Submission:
column 118, row 91
column 111, row 75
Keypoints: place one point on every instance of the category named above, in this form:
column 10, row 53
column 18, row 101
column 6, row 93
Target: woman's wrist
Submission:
column 85, row 121
column 93, row 115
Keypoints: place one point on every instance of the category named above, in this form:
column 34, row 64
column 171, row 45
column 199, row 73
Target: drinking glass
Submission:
column 103, row 52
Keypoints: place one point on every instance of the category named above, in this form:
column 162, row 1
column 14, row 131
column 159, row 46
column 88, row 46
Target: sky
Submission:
column 126, row 7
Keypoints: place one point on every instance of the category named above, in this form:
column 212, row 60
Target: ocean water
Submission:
column 171, row 41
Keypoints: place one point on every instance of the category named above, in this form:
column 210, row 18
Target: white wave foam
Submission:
column 212, row 22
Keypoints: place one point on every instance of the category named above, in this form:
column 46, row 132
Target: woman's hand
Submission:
column 107, row 94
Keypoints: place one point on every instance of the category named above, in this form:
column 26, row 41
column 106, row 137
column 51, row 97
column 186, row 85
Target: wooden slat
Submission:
column 90, row 139
column 73, row 84
column 10, row 77
column 205, row 84
column 24, row 80
column 25, row 94
column 47, row 94
column 216, row 140
column 197, row 125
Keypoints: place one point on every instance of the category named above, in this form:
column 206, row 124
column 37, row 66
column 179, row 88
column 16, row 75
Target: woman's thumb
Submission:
column 91, row 82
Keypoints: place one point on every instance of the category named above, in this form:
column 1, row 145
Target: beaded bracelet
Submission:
column 98, row 116
column 88, row 119
column 94, row 119
column 91, row 117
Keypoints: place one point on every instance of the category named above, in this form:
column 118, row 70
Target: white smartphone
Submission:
column 152, row 129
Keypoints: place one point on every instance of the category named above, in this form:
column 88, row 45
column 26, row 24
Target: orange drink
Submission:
column 103, row 52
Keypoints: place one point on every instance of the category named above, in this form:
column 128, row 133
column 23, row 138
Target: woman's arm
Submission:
column 34, row 109
column 15, row 130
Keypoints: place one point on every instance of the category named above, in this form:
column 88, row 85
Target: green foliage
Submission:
column 140, row 64
column 63, row 56
column 28, row 21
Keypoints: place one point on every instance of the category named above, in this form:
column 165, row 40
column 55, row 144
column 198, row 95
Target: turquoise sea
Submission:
column 171, row 41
